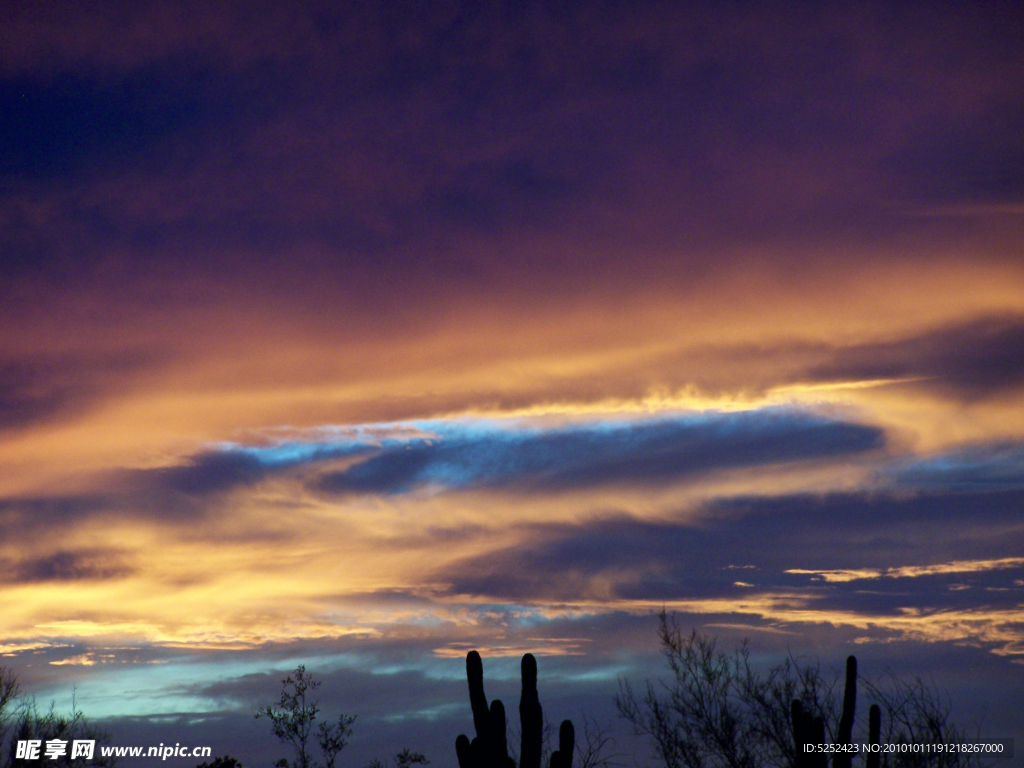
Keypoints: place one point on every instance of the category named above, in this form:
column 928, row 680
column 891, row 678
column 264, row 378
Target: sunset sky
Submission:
column 362, row 334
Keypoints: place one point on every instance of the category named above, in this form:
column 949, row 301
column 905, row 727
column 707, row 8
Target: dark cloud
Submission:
column 30, row 516
column 207, row 473
column 970, row 360
column 650, row 451
column 986, row 166
column 80, row 565
column 387, row 133
column 636, row 559
column 213, row 472
column 177, row 494
column 136, row 494
column 184, row 492
column 40, row 388
column 967, row 360
column 979, row 468
column 469, row 454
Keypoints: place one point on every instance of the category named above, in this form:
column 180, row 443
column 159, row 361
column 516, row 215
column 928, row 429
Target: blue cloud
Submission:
column 976, row 468
column 464, row 454
column 392, row 458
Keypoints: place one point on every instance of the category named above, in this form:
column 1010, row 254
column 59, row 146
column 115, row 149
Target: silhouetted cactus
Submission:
column 845, row 735
column 874, row 759
column 490, row 749
column 801, row 733
column 811, row 730
column 807, row 730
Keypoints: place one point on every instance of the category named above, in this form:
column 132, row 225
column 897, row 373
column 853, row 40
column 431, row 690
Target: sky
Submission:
column 360, row 335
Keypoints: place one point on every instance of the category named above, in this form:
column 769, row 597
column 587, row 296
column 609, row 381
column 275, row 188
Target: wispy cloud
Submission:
column 914, row 571
column 999, row 629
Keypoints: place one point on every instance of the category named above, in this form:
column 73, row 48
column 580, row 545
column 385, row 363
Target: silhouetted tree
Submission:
column 9, row 691
column 22, row 720
column 717, row 711
column 913, row 712
column 594, row 749
column 490, row 747
column 293, row 719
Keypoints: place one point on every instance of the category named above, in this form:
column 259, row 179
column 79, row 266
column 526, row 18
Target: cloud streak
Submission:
column 914, row 571
column 611, row 452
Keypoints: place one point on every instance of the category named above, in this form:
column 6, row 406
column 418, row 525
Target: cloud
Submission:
column 646, row 451
column 999, row 629
column 957, row 566
column 838, row 576
column 971, row 468
column 914, row 571
column 840, row 541
column 81, row 565
column 199, row 133
column 32, row 517
column 39, row 388
column 204, row 474
column 969, row 360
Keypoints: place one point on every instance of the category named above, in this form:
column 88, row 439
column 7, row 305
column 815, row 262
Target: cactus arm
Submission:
column 845, row 735
column 800, row 734
column 820, row 759
column 464, row 752
column 531, row 716
column 477, row 699
column 562, row 758
column 497, row 739
column 874, row 736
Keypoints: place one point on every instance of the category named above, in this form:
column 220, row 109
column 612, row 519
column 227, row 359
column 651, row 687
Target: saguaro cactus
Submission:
column 874, row 759
column 490, row 749
column 801, row 735
column 811, row 730
column 807, row 730
column 531, row 717
column 845, row 735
